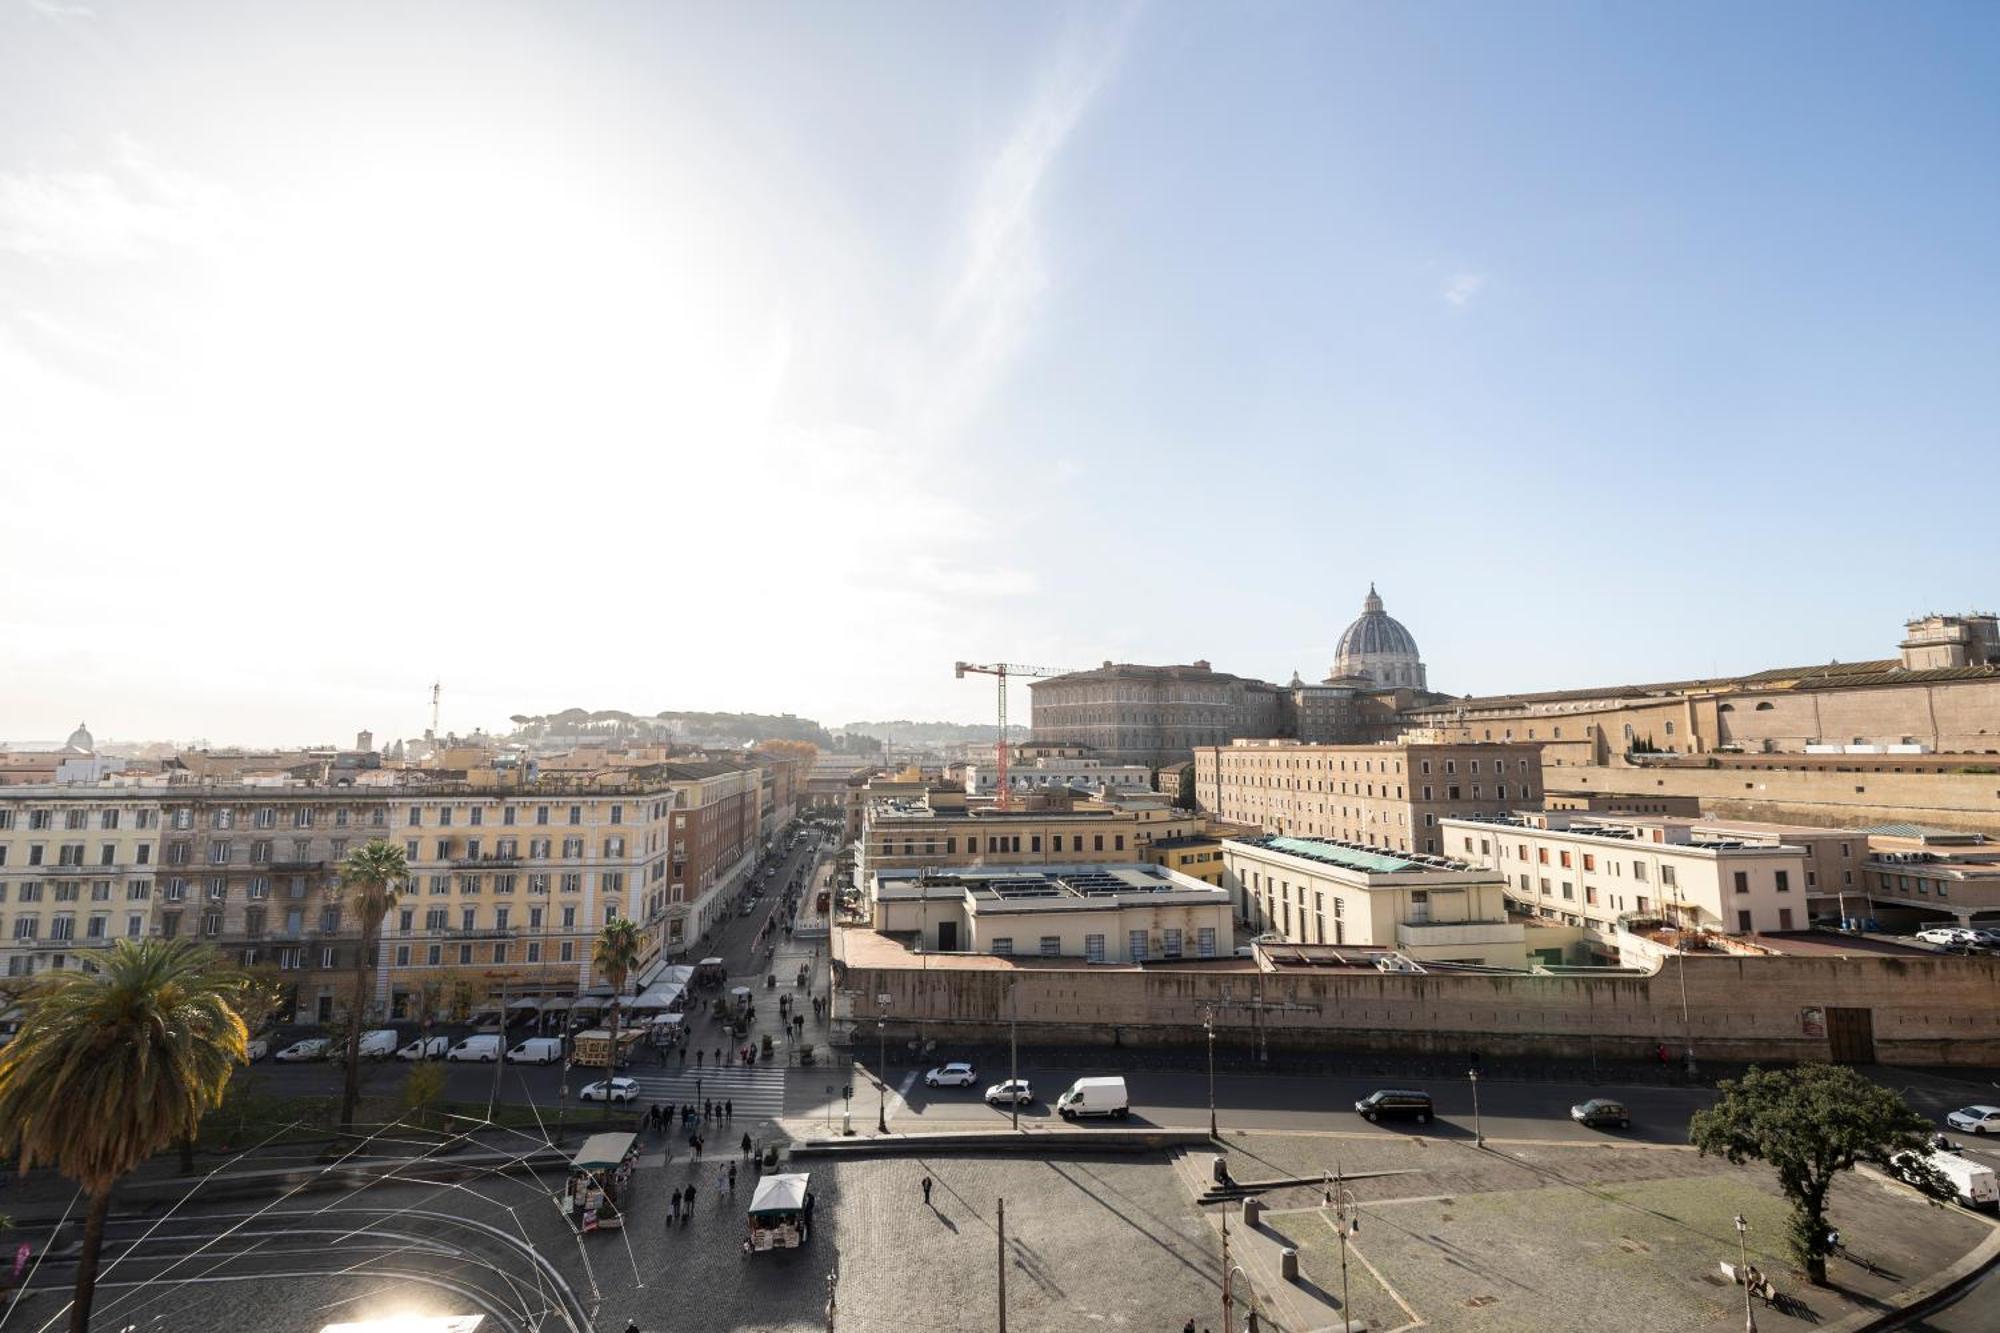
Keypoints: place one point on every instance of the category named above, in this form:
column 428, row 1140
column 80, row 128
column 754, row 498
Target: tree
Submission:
column 114, row 1062
column 372, row 875
column 616, row 954
column 422, row 1089
column 1184, row 789
column 1808, row 1124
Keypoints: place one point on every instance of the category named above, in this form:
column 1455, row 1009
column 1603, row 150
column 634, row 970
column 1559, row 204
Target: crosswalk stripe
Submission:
column 755, row 1091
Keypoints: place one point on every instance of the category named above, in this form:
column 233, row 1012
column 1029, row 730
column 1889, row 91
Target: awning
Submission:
column 601, row 1152
column 659, row 997
column 558, row 1004
column 524, row 1003
column 777, row 1194
column 711, row 962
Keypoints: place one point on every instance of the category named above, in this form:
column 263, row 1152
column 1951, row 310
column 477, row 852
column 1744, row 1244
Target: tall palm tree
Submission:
column 616, row 953
column 372, row 875
column 113, row 1063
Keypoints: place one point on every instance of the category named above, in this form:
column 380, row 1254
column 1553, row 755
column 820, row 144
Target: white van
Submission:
column 536, row 1051
column 484, row 1048
column 378, row 1044
column 1975, row 1185
column 425, row 1048
column 1094, row 1096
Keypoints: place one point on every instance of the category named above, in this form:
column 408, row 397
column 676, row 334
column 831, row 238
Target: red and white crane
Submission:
column 1003, row 670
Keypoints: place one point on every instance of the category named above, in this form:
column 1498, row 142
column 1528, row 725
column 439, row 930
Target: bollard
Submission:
column 1252, row 1210
column 1288, row 1264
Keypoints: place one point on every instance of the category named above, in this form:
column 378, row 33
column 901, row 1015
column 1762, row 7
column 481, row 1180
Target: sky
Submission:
column 772, row 357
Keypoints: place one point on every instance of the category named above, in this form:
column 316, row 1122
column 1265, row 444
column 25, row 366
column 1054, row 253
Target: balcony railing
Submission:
column 286, row 863
column 486, row 861
column 1431, row 934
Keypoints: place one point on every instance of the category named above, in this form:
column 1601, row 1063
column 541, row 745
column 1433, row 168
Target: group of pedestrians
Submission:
column 660, row 1118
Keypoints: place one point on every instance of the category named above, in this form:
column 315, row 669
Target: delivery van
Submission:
column 1973, row 1184
column 379, row 1044
column 483, row 1049
column 1094, row 1096
column 536, row 1051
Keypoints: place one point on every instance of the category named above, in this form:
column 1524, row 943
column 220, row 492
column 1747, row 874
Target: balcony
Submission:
column 486, row 861
column 287, row 865
column 1455, row 934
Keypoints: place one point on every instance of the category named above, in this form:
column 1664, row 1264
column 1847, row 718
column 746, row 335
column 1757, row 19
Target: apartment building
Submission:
column 933, row 830
column 1391, row 797
column 1053, row 772
column 1307, row 890
column 1100, row 912
column 1600, row 871
column 77, row 870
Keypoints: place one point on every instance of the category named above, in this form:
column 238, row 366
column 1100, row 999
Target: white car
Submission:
column 1014, row 1090
column 957, row 1074
column 256, row 1049
column 312, row 1048
column 1947, row 935
column 425, row 1048
column 1975, row 1119
column 616, row 1090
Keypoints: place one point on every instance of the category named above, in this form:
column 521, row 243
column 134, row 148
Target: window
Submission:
column 1093, row 948
column 1784, row 918
column 1743, row 922
column 1742, row 878
column 1784, row 881
column 1051, row 946
column 416, row 816
column 1003, row 944
column 1135, row 943
column 1639, row 871
column 1204, row 941
column 1170, row 943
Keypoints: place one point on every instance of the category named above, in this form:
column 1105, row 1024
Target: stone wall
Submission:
column 1825, row 798
column 1924, row 1011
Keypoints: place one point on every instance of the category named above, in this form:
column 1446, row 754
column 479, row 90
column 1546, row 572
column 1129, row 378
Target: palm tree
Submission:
column 616, row 954
column 113, row 1063
column 372, row 875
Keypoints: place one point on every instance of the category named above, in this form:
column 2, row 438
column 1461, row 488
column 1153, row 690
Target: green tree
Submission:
column 1809, row 1124
column 616, row 953
column 423, row 1089
column 113, row 1063
column 1184, row 789
column 372, row 876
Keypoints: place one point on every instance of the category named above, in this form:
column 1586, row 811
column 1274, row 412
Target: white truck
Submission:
column 378, row 1044
column 1977, row 1186
column 1095, row 1096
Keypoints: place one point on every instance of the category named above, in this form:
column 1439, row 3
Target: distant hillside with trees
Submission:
column 687, row 727
column 906, row 732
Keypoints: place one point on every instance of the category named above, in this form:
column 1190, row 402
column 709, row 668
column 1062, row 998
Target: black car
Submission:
column 1600, row 1111
column 1384, row 1103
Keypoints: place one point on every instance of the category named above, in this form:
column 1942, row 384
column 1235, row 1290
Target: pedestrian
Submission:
column 927, row 1191
column 1663, row 1055
column 732, row 1177
column 729, row 1109
column 746, row 1144
column 675, row 1216
column 697, row 1059
column 631, row 1326
column 690, row 1199
column 1188, row 1327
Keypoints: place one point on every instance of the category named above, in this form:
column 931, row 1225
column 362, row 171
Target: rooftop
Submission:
column 1354, row 856
column 1689, row 835
column 1053, row 886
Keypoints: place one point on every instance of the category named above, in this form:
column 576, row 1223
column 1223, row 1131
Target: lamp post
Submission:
column 1478, row 1133
column 1208, row 1026
column 1743, row 1272
column 1347, row 1222
column 1013, row 1063
column 882, row 1071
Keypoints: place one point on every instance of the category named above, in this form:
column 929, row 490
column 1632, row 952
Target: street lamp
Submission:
column 1208, row 1026
column 1743, row 1272
column 1013, row 1048
column 882, row 1071
column 1478, row 1133
column 1347, row 1222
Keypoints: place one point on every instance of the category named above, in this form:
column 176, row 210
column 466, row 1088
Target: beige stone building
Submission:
column 1322, row 891
column 1603, row 872
column 1386, row 796
column 1129, row 714
column 1104, row 912
column 78, row 865
column 913, row 832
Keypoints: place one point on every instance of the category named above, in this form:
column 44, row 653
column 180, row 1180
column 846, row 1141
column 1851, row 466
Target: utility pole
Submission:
column 1013, row 1080
column 1227, row 1326
column 1208, row 1025
column 1003, row 1265
column 882, row 1069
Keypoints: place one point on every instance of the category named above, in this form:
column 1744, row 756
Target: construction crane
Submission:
column 1002, row 670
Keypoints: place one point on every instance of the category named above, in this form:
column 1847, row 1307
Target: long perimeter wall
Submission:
column 1921, row 1011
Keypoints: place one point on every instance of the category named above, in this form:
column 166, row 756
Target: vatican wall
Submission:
column 1921, row 1011
column 1823, row 797
column 1955, row 716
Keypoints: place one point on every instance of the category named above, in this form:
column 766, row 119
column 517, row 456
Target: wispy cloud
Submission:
column 991, row 302
column 1461, row 288
column 134, row 208
column 59, row 11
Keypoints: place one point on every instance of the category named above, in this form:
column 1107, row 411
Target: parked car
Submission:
column 256, row 1049
column 1095, row 1096
column 1972, row 1119
column 1947, row 936
column 537, row 1051
column 957, row 1074
column 1600, row 1111
column 379, row 1044
column 614, row 1090
column 312, row 1048
column 1013, row 1092
column 1386, row 1103
column 425, row 1048
column 1973, row 1184
column 483, row 1049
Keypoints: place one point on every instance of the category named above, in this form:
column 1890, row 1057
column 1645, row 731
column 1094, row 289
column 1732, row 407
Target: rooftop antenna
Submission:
column 437, row 690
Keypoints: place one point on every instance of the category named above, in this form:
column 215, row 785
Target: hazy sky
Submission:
column 761, row 356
